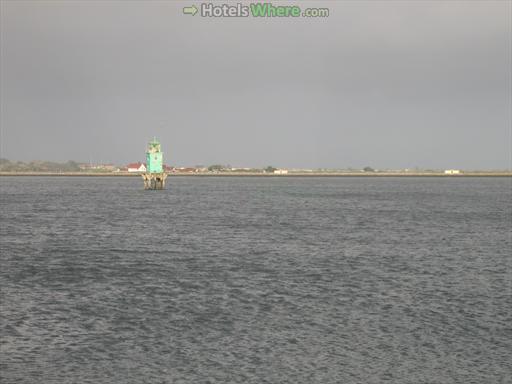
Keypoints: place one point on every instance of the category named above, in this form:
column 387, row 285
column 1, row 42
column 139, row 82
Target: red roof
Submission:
column 135, row 165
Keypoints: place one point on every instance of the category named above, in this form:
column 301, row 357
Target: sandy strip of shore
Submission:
column 251, row 174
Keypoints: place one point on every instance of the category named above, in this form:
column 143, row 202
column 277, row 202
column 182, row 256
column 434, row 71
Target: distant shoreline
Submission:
column 254, row 174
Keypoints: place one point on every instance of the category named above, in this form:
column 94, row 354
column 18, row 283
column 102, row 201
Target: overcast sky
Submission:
column 387, row 84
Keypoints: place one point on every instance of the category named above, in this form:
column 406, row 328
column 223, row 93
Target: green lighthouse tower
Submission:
column 154, row 157
column 154, row 178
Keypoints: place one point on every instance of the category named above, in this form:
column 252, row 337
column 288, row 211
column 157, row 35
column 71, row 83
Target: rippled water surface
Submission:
column 256, row 280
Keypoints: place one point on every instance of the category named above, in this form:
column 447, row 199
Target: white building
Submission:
column 136, row 167
column 280, row 171
column 452, row 171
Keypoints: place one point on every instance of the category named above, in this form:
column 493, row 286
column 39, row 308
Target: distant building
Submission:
column 280, row 171
column 244, row 169
column 186, row 170
column 452, row 171
column 108, row 167
column 136, row 167
column 98, row 167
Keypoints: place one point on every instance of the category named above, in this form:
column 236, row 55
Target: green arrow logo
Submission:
column 190, row 10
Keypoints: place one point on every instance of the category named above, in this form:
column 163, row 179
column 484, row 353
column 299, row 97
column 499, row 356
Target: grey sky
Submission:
column 388, row 84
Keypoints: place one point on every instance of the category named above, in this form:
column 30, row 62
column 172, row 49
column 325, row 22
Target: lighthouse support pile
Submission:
column 154, row 178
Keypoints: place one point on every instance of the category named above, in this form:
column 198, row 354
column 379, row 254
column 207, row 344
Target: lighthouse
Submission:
column 154, row 178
